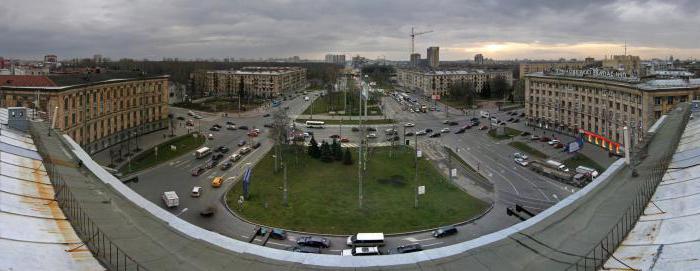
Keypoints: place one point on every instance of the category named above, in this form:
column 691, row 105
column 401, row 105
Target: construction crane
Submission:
column 413, row 38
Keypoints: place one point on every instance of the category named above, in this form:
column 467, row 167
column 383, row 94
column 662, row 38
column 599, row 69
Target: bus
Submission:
column 366, row 240
column 202, row 152
column 315, row 124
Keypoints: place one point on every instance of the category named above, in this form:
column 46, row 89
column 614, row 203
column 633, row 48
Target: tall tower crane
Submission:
column 413, row 38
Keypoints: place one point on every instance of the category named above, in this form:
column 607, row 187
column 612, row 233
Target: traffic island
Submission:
column 163, row 152
column 323, row 196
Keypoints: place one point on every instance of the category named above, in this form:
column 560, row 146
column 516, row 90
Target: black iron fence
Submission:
column 596, row 257
column 95, row 239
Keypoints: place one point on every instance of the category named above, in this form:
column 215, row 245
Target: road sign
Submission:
column 454, row 172
column 419, row 154
column 421, row 190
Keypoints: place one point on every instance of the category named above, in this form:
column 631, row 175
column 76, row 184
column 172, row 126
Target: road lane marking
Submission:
column 282, row 245
column 433, row 244
column 412, row 239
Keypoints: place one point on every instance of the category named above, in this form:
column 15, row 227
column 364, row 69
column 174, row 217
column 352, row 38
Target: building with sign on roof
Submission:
column 599, row 103
column 98, row 110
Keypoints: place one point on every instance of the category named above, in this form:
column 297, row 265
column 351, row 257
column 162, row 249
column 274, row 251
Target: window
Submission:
column 657, row 100
column 669, row 100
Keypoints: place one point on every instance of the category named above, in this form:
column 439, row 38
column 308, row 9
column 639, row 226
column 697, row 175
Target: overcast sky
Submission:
column 508, row 29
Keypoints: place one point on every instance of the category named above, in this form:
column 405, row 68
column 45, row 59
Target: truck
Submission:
column 567, row 177
column 170, row 198
column 583, row 169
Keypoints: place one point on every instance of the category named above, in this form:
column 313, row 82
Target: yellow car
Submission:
column 217, row 181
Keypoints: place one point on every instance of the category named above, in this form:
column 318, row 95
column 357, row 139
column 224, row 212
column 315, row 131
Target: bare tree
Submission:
column 279, row 134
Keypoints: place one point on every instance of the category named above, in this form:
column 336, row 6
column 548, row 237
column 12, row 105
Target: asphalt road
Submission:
column 512, row 183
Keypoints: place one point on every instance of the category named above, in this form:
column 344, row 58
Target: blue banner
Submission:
column 246, row 181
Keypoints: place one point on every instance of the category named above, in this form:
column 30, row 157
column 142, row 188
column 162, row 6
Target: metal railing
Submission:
column 109, row 254
column 599, row 255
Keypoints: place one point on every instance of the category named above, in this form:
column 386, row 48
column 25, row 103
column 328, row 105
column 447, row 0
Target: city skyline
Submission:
column 310, row 29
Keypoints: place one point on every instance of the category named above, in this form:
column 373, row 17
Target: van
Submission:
column 366, row 240
column 557, row 165
column 584, row 170
column 217, row 181
column 171, row 199
column 196, row 191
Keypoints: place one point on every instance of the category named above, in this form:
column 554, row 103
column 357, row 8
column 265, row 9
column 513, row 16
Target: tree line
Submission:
column 329, row 152
column 494, row 88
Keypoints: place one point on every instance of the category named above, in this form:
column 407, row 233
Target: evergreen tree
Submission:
column 313, row 150
column 337, row 150
column 326, row 152
column 347, row 158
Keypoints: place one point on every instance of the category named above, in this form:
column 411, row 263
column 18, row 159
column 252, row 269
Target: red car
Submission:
column 558, row 146
column 545, row 139
column 197, row 171
column 253, row 134
column 483, row 127
column 344, row 140
column 334, row 136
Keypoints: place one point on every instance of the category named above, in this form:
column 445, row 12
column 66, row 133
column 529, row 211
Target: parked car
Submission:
column 226, row 165
column 445, row 121
column 520, row 161
column 361, row 251
column 545, row 139
column 372, row 135
column 408, row 124
column 217, row 126
column 189, row 123
column 474, row 119
column 421, row 132
column 558, row 146
column 278, row 234
column 230, row 127
column 516, row 120
column 210, row 136
column 305, row 249
column 268, row 125
column 371, row 129
column 534, row 137
column 253, row 133
column 445, row 130
column 520, row 155
column 344, row 140
column 428, row 130
column 241, row 143
column 355, row 129
column 334, row 136
column 483, row 127
column 406, row 249
column 524, row 134
column 510, row 119
column 256, row 145
column 180, row 118
column 244, row 150
column 243, row 127
column 228, row 122
column 409, row 134
column 453, row 123
column 435, row 135
column 266, row 115
column 198, row 117
column 197, row 171
column 553, row 142
column 214, row 129
column 444, row 231
column 217, row 156
column 313, row 241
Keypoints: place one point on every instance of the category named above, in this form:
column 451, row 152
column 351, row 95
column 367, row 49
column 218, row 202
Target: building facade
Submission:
column 335, row 59
column 540, row 66
column 433, row 55
column 600, row 104
column 415, row 60
column 438, row 82
column 262, row 82
column 97, row 113
column 478, row 59
column 627, row 63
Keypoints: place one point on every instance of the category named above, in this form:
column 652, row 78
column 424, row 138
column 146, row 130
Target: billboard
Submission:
column 436, row 97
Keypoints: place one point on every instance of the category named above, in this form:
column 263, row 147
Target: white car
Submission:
column 372, row 135
column 196, row 191
column 421, row 132
column 361, row 251
column 520, row 155
column 521, row 162
column 445, row 121
column 553, row 141
column 445, row 130
column 408, row 124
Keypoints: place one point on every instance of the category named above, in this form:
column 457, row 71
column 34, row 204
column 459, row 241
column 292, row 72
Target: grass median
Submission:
column 581, row 160
column 183, row 144
column 524, row 147
column 323, row 197
column 350, row 122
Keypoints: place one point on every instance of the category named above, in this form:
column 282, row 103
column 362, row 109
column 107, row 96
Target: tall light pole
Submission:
column 415, row 181
column 359, row 155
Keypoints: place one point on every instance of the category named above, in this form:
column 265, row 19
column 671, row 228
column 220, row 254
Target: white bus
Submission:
column 202, row 152
column 366, row 240
column 315, row 124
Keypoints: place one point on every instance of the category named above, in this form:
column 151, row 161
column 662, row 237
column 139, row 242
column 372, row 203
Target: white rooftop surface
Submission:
column 34, row 232
column 667, row 237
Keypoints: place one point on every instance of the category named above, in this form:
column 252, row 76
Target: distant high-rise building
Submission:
column 336, row 59
column 433, row 55
column 50, row 59
column 589, row 60
column 479, row 59
column 97, row 58
column 415, row 60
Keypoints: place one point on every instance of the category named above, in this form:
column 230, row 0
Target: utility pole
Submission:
column 359, row 155
column 415, row 161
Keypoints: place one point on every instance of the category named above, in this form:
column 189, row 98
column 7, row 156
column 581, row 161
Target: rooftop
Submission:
column 619, row 79
column 665, row 237
column 66, row 81
column 35, row 233
column 259, row 70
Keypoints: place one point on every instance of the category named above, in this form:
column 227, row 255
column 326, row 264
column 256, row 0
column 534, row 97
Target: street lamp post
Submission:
column 415, row 181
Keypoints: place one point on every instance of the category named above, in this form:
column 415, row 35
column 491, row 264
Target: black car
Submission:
column 211, row 163
column 410, row 134
column 217, row 126
column 217, row 156
column 313, row 241
column 256, row 145
column 230, row 123
column 444, row 231
column 428, row 130
column 226, row 165
column 214, row 129
column 435, row 135
column 305, row 249
column 524, row 134
column 243, row 127
column 522, row 114
column 355, row 129
column 278, row 234
column 207, row 212
column 460, row 131
column 180, row 118
column 222, row 149
column 453, row 123
column 268, row 125
column 371, row 129
column 266, row 115
column 406, row 249
column 516, row 120
column 474, row 119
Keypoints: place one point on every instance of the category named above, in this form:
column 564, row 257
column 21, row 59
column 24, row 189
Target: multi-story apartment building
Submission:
column 96, row 110
column 438, row 82
column 433, row 55
column 335, row 59
column 263, row 82
column 600, row 103
column 540, row 66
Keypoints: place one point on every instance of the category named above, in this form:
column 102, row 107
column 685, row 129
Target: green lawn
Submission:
column 221, row 104
column 184, row 144
column 334, row 102
column 351, row 122
column 323, row 197
column 524, row 147
column 509, row 133
column 581, row 160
